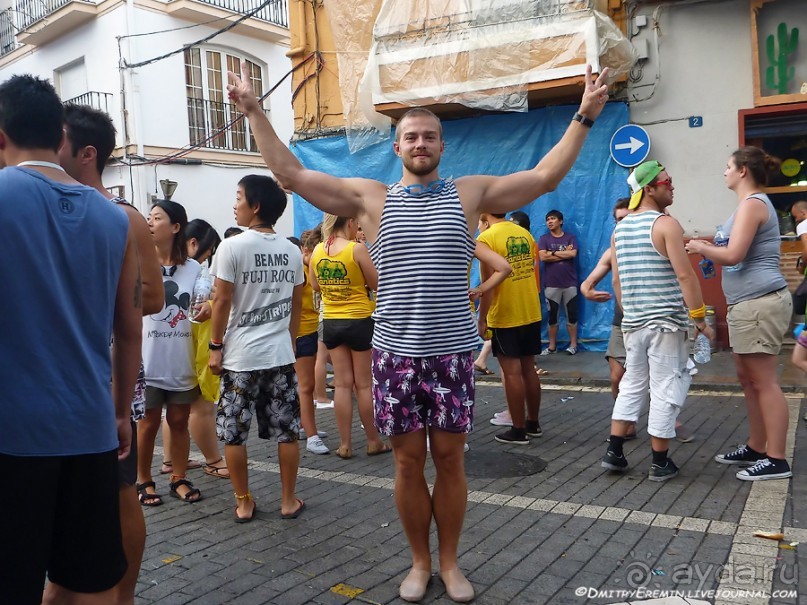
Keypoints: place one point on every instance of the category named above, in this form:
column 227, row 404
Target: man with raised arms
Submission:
column 420, row 230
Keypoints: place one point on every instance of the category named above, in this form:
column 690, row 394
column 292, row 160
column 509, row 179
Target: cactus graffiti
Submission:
column 778, row 59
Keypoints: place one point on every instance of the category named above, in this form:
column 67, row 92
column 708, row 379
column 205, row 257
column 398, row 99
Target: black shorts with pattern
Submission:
column 271, row 395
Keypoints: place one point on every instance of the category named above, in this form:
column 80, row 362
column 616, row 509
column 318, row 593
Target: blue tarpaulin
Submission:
column 498, row 145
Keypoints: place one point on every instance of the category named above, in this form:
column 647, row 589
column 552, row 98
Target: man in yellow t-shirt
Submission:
column 513, row 314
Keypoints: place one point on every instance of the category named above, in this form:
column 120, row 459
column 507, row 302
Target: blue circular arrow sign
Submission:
column 630, row 145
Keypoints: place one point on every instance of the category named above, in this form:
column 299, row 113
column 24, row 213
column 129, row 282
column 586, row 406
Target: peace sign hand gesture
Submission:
column 595, row 95
column 240, row 90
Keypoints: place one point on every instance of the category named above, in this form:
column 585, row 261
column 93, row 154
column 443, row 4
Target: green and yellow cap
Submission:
column 642, row 176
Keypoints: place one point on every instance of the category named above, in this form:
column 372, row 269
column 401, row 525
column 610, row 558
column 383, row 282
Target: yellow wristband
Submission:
column 698, row 313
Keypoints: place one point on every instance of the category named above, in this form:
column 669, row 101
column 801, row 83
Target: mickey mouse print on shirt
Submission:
column 177, row 304
column 178, row 282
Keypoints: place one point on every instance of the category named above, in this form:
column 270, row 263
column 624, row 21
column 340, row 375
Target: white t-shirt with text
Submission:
column 263, row 268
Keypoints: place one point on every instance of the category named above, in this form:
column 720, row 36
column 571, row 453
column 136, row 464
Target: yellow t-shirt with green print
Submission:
column 515, row 301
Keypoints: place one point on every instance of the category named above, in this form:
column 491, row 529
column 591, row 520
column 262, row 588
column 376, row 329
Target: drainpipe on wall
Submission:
column 129, row 105
column 298, row 50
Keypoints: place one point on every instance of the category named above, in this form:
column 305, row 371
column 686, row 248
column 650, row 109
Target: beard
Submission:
column 420, row 169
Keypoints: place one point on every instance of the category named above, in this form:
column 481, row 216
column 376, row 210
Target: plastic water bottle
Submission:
column 798, row 330
column 201, row 291
column 703, row 349
column 722, row 239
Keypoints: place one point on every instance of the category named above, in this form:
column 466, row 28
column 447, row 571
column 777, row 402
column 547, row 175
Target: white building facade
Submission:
column 160, row 70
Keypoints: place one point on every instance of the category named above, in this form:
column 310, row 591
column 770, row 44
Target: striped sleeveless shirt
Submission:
column 422, row 255
column 651, row 294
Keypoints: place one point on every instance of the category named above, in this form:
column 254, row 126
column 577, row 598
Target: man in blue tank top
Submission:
column 89, row 142
column 74, row 283
column 654, row 284
column 425, row 334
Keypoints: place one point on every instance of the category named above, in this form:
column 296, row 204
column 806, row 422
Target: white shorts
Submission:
column 657, row 360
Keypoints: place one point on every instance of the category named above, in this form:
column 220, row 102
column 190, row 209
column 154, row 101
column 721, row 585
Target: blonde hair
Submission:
column 331, row 223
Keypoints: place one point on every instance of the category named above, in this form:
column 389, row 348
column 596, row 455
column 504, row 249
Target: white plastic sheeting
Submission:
column 483, row 54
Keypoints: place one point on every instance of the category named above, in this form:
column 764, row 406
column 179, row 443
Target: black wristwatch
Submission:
column 583, row 120
column 215, row 347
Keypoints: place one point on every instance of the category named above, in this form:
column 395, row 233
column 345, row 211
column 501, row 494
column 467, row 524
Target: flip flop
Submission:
column 192, row 464
column 216, row 471
column 384, row 450
column 344, row 452
column 296, row 513
column 481, row 370
column 238, row 519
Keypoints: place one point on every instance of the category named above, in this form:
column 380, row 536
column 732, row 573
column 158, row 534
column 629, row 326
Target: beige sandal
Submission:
column 384, row 449
column 344, row 452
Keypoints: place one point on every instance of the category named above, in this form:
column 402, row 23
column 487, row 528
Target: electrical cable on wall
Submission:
column 314, row 74
column 656, row 37
column 240, row 19
column 663, row 121
column 173, row 29
column 167, row 159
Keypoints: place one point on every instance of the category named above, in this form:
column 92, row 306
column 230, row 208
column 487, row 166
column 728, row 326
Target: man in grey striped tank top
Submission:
column 655, row 284
column 420, row 231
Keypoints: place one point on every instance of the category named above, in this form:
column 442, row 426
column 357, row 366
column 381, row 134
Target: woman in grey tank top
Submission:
column 759, row 312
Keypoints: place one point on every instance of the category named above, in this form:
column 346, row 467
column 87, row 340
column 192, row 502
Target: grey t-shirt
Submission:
column 759, row 273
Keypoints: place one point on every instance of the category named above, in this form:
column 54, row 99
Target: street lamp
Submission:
column 168, row 186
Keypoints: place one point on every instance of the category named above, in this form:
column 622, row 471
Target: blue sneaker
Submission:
column 742, row 456
column 766, row 469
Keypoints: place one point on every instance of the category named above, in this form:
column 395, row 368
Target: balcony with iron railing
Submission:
column 41, row 21
column 208, row 126
column 274, row 11
column 97, row 100
column 8, row 41
column 270, row 18
column 31, row 11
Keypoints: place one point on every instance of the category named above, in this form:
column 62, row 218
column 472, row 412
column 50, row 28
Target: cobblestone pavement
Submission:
column 571, row 533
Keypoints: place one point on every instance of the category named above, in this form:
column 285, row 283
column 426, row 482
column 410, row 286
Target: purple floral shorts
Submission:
column 410, row 393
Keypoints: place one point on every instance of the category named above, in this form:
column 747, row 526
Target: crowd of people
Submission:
column 364, row 291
